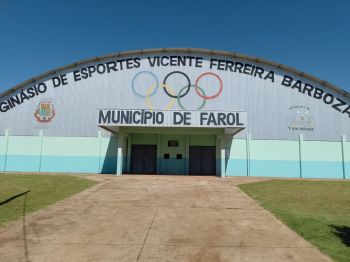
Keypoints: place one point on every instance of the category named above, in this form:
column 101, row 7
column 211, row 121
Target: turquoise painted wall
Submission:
column 70, row 154
column 272, row 158
column 59, row 154
column 3, row 147
column 281, row 158
column 23, row 153
column 347, row 159
column 236, row 157
column 321, row 159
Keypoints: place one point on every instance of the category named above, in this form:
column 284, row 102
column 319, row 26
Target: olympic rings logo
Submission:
column 171, row 93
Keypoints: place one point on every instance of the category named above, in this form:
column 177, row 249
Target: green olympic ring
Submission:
column 197, row 88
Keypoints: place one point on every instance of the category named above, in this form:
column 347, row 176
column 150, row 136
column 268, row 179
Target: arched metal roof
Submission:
column 183, row 50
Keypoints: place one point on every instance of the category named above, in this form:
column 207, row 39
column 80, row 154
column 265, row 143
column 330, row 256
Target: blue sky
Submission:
column 312, row 36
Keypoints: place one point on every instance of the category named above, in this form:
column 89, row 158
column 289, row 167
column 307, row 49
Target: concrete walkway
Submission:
column 155, row 218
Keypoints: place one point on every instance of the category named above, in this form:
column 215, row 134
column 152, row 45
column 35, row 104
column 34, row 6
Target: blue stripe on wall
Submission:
column 22, row 163
column 108, row 165
column 285, row 168
column 69, row 164
column 263, row 168
column 2, row 162
column 325, row 169
column 275, row 168
column 19, row 163
column 236, row 167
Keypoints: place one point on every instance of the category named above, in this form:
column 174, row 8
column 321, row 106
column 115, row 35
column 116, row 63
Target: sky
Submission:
column 38, row 36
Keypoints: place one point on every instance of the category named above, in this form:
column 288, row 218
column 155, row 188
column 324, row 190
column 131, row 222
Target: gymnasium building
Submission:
column 178, row 111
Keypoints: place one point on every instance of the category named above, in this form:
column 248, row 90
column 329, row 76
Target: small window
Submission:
column 173, row 143
column 166, row 156
column 178, row 156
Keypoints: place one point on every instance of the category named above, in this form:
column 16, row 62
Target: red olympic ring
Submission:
column 213, row 96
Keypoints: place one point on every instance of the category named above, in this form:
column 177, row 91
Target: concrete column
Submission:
column 41, row 139
column 99, row 140
column 248, row 152
column 301, row 139
column 343, row 141
column 187, row 154
column 120, row 154
column 7, row 137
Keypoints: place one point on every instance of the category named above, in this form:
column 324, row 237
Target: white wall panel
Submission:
column 267, row 103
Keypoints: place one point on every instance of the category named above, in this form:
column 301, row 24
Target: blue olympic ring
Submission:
column 149, row 73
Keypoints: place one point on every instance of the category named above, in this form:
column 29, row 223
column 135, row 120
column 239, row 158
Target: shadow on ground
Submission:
column 343, row 232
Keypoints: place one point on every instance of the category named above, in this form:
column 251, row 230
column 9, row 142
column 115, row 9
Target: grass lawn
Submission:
column 319, row 211
column 45, row 190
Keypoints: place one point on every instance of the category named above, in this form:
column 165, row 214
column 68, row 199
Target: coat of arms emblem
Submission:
column 44, row 112
column 301, row 118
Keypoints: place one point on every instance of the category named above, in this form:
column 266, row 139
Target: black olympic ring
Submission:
column 180, row 95
column 183, row 91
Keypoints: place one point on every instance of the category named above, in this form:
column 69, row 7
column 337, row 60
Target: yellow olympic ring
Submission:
column 150, row 91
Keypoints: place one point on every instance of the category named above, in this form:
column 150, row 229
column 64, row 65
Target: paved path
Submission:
column 155, row 218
